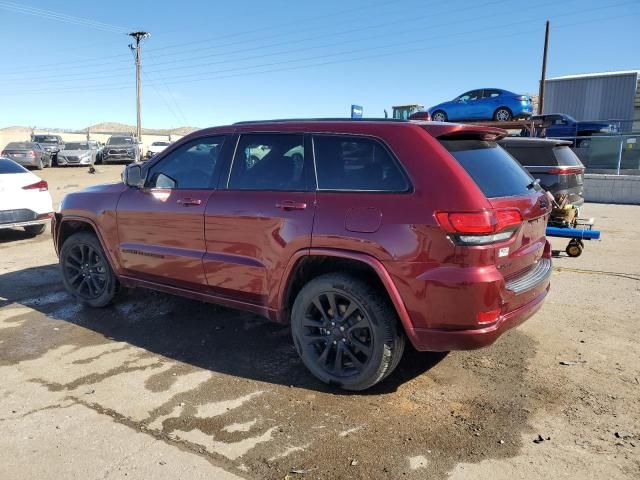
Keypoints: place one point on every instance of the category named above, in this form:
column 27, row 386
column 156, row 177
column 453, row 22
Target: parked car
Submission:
column 155, row 148
column 484, row 104
column 51, row 143
column 25, row 200
column 121, row 148
column 77, row 153
column 552, row 161
column 97, row 146
column 360, row 233
column 561, row 125
column 28, row 154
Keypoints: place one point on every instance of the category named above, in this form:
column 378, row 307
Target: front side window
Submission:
column 269, row 161
column 356, row 163
column 471, row 96
column 190, row 166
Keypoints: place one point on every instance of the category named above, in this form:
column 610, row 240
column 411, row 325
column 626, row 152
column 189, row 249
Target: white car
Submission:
column 25, row 200
column 156, row 147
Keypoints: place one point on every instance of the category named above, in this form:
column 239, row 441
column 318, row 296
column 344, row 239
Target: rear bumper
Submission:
column 446, row 340
column 22, row 218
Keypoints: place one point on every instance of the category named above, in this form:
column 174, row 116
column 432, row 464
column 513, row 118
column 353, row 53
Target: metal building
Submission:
column 611, row 96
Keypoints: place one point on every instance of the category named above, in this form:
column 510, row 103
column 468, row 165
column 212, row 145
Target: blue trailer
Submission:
column 580, row 230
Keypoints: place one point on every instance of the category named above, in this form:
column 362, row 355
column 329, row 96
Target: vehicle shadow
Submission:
column 200, row 334
column 14, row 234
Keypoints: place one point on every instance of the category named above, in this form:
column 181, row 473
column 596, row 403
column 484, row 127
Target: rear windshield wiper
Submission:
column 533, row 184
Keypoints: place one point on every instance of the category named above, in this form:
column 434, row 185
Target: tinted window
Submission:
column 191, row 166
column 45, row 139
column 566, row 157
column 491, row 93
column 8, row 166
column 356, row 163
column 533, row 156
column 76, row 146
column 20, row 146
column 469, row 96
column 269, row 161
column 492, row 168
column 120, row 140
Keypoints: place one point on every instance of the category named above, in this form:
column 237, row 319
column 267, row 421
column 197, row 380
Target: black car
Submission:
column 552, row 161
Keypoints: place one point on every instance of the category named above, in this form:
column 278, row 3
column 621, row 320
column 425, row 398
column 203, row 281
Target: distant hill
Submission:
column 123, row 128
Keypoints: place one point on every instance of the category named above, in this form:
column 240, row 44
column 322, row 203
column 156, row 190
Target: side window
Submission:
column 356, row 163
column 491, row 93
column 191, row 166
column 269, row 161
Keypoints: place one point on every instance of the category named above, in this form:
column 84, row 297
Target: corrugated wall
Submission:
column 593, row 98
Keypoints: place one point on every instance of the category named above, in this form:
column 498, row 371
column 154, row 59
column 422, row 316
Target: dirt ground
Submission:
column 163, row 387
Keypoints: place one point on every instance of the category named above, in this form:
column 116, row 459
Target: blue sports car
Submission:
column 484, row 104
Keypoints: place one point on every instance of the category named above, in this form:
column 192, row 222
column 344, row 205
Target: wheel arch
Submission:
column 70, row 225
column 307, row 264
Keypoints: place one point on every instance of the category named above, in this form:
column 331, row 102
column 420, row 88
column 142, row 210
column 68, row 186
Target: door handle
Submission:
column 291, row 205
column 186, row 202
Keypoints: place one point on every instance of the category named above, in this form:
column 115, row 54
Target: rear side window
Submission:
column 8, row 166
column 533, row 156
column 356, row 163
column 566, row 157
column 491, row 167
column 269, row 161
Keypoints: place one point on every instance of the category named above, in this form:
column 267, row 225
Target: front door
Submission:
column 261, row 215
column 161, row 226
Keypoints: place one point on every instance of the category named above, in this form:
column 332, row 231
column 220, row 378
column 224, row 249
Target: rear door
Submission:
column 507, row 186
column 161, row 226
column 259, row 217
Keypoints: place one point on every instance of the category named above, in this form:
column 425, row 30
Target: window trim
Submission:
column 239, row 135
column 215, row 175
column 383, row 144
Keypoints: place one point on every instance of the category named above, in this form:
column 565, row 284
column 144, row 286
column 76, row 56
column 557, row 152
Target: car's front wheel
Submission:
column 86, row 273
column 503, row 115
column 346, row 331
column 439, row 116
column 35, row 229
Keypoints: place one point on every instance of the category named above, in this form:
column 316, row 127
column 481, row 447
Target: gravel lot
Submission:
column 163, row 387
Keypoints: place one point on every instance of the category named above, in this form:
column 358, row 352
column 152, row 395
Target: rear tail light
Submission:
column 42, row 185
column 482, row 227
column 31, row 154
column 566, row 170
column 486, row 318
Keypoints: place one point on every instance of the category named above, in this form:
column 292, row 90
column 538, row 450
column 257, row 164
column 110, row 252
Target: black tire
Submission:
column 86, row 272
column 439, row 116
column 574, row 249
column 363, row 346
column 35, row 229
column 503, row 114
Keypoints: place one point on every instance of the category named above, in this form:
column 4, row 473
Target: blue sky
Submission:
column 211, row 63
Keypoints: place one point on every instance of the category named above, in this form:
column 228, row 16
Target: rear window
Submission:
column 9, row 166
column 566, row 157
column 491, row 167
column 533, row 156
column 19, row 146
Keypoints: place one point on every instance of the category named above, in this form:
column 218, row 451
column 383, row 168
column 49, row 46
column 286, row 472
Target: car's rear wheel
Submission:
column 439, row 116
column 35, row 229
column 86, row 273
column 346, row 331
column 503, row 115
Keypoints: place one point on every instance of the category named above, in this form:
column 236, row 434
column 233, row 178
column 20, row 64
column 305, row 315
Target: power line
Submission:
column 333, row 62
column 51, row 15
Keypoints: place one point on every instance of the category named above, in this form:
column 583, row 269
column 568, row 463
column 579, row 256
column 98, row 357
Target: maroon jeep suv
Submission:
column 360, row 234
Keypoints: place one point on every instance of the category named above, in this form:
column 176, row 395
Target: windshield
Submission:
column 120, row 140
column 45, row 139
column 496, row 172
column 76, row 146
column 160, row 144
column 9, row 166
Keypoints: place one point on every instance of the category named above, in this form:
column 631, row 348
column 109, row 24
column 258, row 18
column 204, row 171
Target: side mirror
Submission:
column 132, row 176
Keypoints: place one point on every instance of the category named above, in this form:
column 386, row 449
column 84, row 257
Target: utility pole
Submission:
column 139, row 36
column 544, row 69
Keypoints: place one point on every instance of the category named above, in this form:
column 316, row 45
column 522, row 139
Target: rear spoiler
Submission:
column 451, row 131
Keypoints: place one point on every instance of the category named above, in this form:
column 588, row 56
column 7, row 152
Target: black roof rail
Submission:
column 338, row 119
